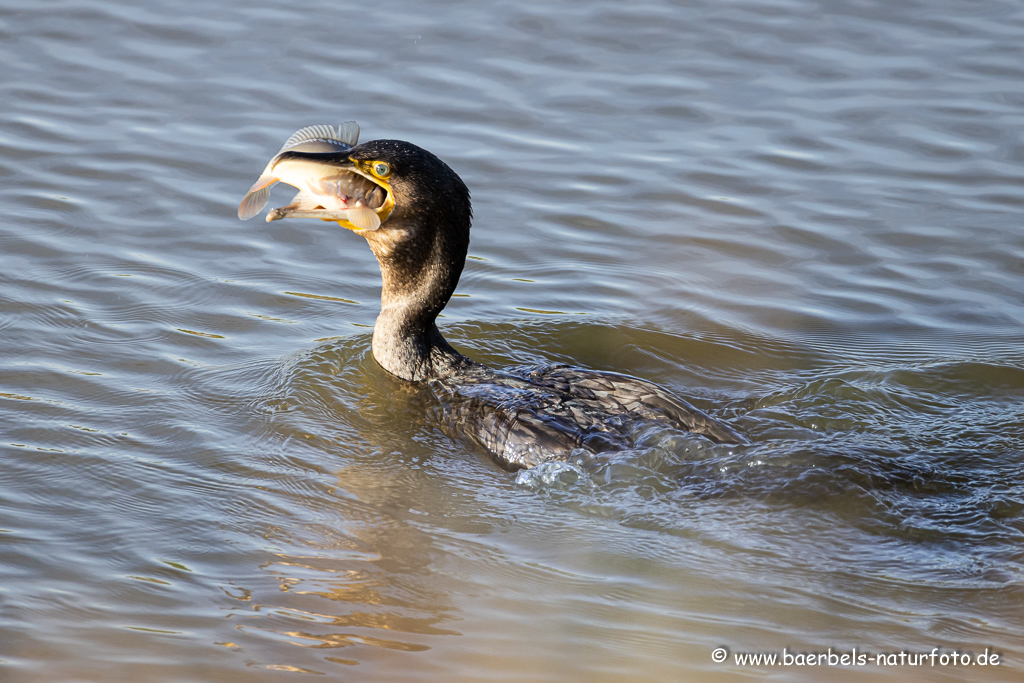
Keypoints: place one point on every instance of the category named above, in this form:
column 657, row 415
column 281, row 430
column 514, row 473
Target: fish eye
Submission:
column 381, row 169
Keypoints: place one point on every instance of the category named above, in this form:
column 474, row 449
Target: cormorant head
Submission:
column 423, row 237
column 423, row 207
column 420, row 186
column 406, row 186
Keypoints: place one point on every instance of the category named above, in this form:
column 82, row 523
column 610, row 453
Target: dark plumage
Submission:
column 527, row 415
column 522, row 416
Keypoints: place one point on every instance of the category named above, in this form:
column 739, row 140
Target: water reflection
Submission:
column 366, row 584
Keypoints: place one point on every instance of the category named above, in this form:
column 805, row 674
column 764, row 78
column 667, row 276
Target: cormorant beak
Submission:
column 333, row 187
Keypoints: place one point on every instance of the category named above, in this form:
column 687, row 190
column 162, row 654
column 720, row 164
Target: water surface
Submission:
column 804, row 217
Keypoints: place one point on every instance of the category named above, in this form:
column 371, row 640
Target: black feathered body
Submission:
column 528, row 415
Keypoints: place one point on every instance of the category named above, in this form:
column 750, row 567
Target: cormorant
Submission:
column 414, row 211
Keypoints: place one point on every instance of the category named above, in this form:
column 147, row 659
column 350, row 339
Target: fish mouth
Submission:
column 353, row 188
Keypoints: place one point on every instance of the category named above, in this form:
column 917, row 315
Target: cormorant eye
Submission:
column 381, row 169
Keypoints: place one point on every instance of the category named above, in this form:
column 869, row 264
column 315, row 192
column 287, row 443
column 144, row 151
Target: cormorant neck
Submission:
column 420, row 265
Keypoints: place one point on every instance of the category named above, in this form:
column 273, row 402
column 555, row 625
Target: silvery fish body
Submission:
column 321, row 191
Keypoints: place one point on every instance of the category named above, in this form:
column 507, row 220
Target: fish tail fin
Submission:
column 256, row 198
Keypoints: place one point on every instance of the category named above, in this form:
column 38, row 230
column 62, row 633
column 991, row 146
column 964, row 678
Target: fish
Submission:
column 325, row 191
